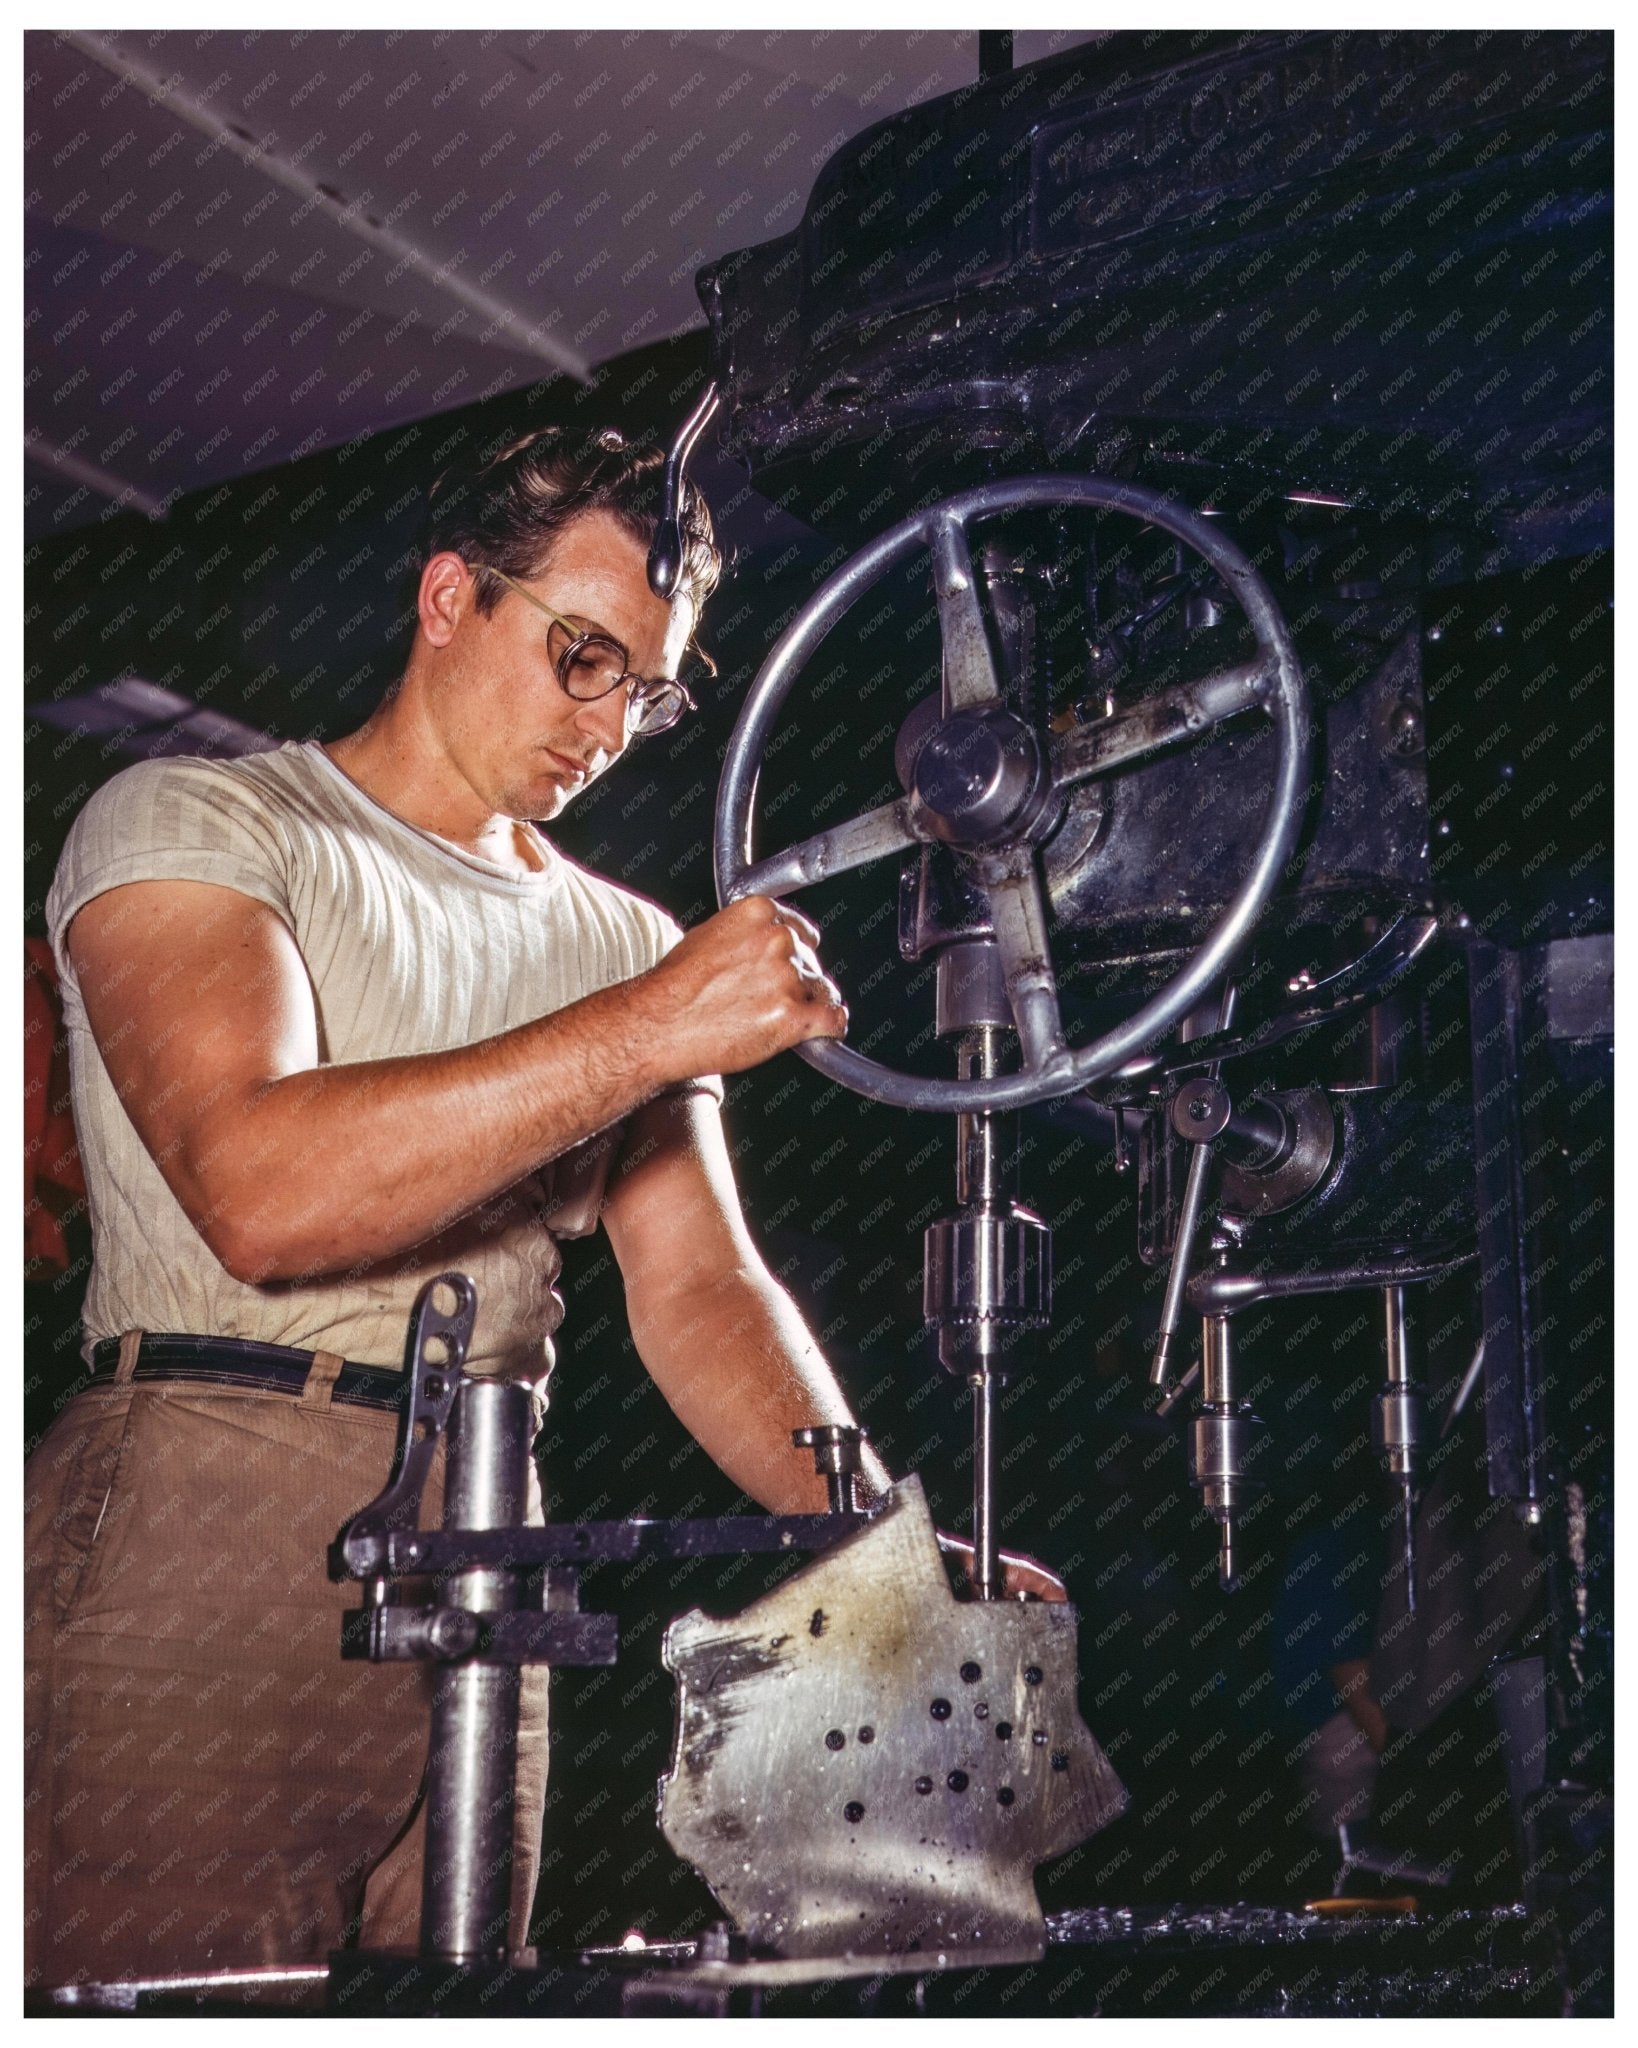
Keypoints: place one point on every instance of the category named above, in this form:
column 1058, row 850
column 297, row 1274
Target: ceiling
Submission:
column 245, row 246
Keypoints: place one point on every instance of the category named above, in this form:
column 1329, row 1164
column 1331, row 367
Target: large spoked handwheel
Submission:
column 986, row 786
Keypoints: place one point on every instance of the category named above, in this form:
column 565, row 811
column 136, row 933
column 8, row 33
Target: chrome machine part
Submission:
column 987, row 1278
column 1177, row 1277
column 865, row 1767
column 269, row 1985
column 987, row 1577
column 970, row 990
column 985, row 784
column 986, row 1283
column 979, row 1167
column 472, row 1767
column 1200, row 1130
column 1225, row 1440
column 836, row 1448
column 1398, row 1426
column 1264, row 1180
column 1223, row 1292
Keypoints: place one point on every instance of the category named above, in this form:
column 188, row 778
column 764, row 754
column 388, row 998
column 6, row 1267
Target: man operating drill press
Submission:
column 341, row 1018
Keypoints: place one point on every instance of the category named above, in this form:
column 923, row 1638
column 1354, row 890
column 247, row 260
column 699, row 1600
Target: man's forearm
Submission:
column 290, row 1168
column 342, row 1165
column 740, row 1370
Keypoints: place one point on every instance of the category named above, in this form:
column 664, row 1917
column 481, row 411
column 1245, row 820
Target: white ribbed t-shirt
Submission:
column 413, row 945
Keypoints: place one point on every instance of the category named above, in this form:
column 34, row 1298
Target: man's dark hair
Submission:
column 505, row 510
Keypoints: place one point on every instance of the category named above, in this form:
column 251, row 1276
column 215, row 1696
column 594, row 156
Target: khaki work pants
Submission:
column 207, row 1785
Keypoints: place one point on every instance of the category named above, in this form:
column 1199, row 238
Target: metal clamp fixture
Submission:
column 836, row 1447
column 481, row 1629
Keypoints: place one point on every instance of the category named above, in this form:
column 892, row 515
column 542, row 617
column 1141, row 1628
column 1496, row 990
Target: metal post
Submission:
column 1188, row 1222
column 987, row 1272
column 978, row 1183
column 978, row 1160
column 1398, row 1428
column 472, row 1770
column 1225, row 1442
column 1217, row 1390
column 986, row 1559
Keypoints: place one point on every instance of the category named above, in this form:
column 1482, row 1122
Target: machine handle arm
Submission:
column 1021, row 937
column 853, row 844
column 1168, row 718
column 969, row 667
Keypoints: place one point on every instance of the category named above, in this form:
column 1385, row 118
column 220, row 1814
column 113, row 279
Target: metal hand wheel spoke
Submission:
column 1162, row 720
column 1019, row 918
column 854, row 844
column 969, row 666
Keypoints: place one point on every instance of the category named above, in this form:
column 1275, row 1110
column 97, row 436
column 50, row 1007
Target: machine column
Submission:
column 472, row 1767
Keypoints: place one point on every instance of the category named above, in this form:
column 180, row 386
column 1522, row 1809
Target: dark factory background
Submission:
column 274, row 592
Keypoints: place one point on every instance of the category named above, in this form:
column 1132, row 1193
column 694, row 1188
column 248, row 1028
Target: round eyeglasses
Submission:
column 593, row 665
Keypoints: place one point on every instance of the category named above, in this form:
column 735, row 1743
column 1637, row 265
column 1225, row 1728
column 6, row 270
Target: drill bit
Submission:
column 1407, row 1504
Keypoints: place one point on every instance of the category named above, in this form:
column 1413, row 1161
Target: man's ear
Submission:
column 679, row 630
column 446, row 592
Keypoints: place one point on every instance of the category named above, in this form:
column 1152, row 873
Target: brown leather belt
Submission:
column 237, row 1362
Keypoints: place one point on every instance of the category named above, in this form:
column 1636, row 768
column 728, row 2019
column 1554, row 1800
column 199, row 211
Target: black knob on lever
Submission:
column 665, row 555
column 836, row 1448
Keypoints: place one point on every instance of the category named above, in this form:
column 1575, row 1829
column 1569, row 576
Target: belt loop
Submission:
column 321, row 1379
column 130, row 1344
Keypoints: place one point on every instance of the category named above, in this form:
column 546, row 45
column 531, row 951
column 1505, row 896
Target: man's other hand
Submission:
column 1022, row 1577
column 740, row 987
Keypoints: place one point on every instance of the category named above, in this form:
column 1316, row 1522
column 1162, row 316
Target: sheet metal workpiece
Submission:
column 866, row 1768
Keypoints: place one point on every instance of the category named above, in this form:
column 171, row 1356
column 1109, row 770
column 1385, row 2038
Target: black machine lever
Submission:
column 665, row 555
column 452, row 1635
column 435, row 1349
